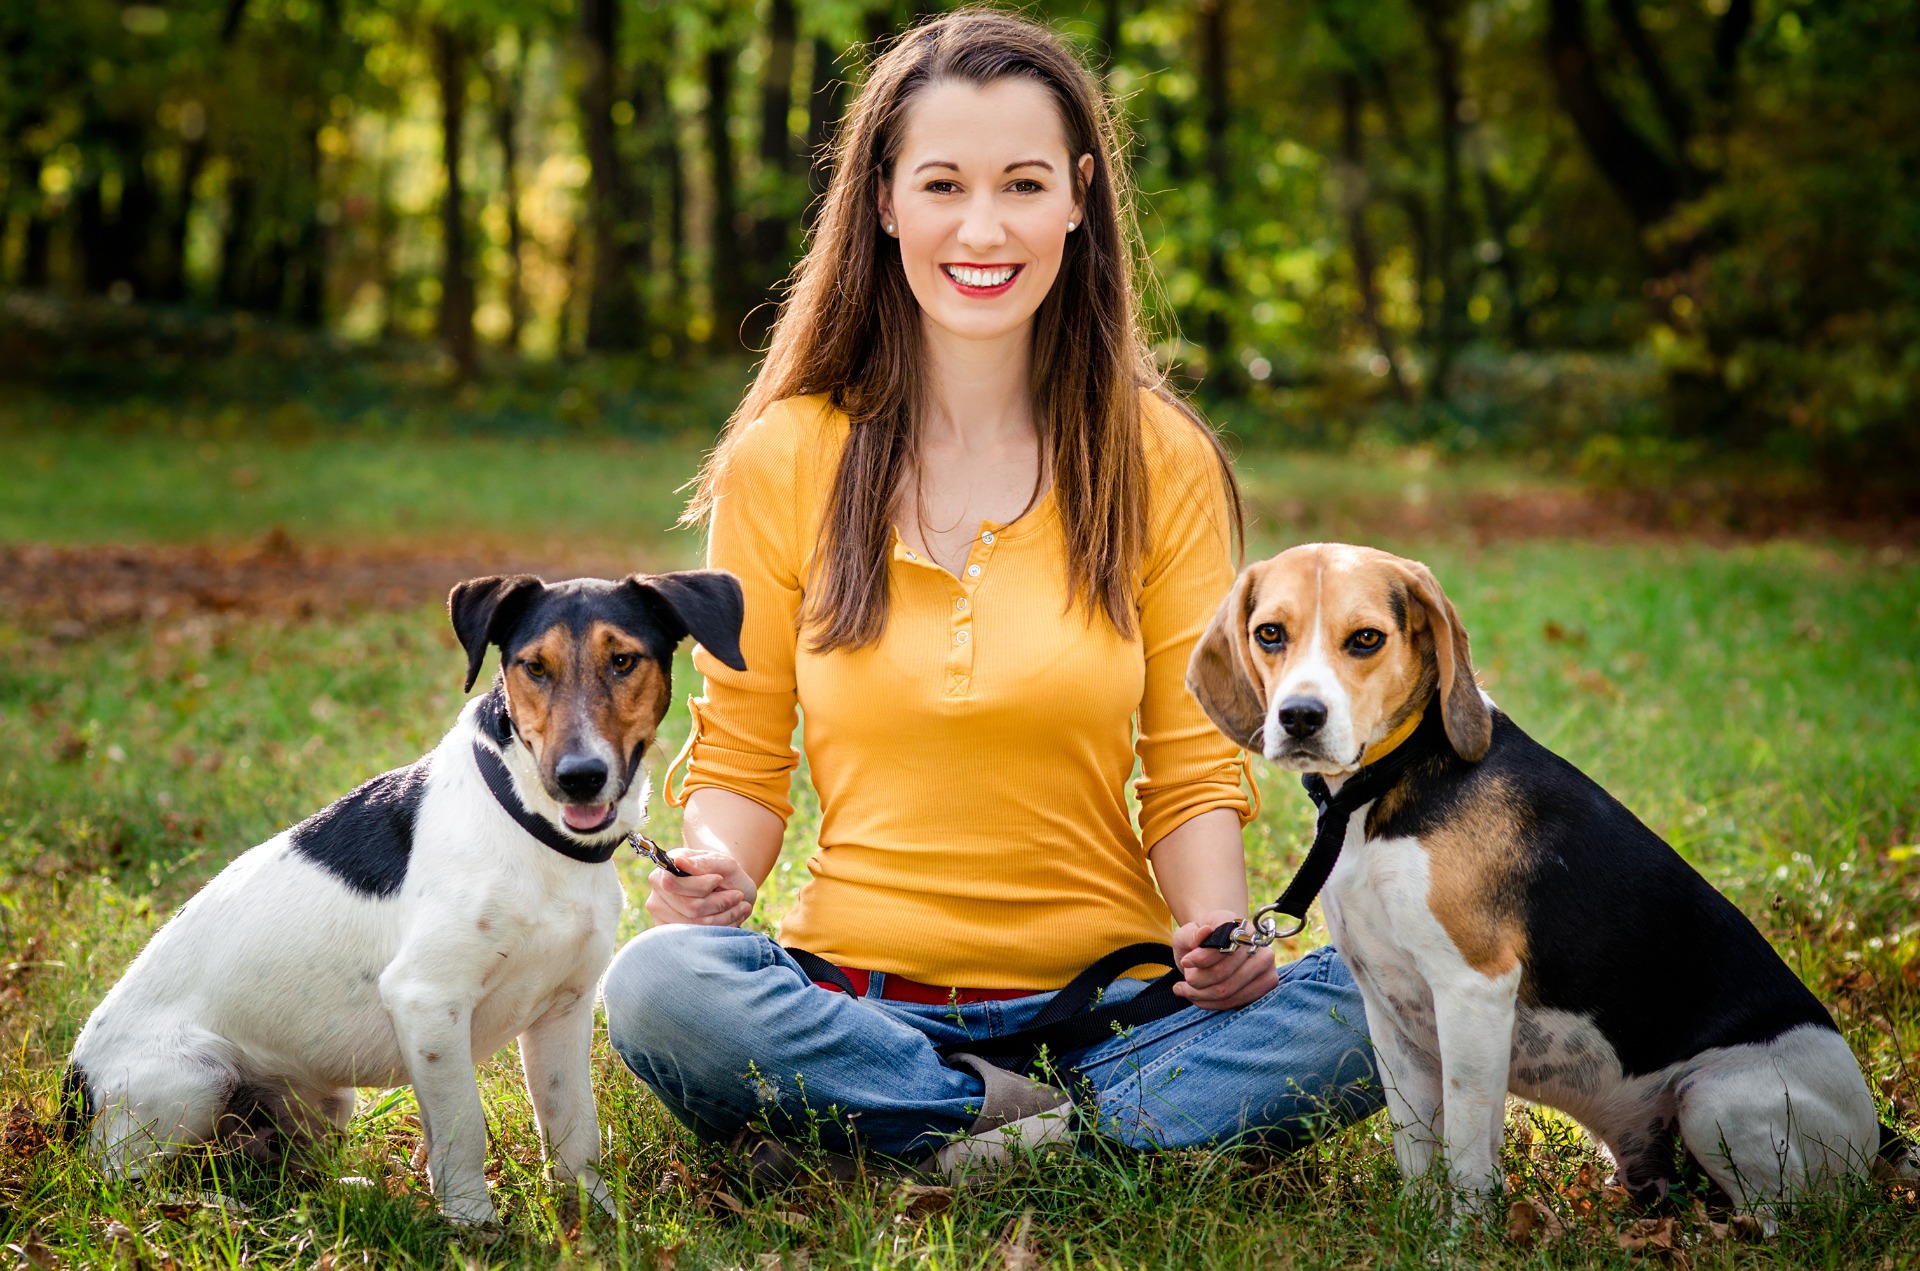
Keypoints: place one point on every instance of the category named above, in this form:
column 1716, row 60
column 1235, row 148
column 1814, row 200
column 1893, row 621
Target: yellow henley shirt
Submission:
column 972, row 765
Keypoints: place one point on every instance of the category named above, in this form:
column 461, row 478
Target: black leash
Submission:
column 1067, row 1024
column 1330, row 833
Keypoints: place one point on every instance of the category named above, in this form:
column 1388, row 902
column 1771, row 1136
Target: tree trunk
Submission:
column 826, row 98
column 772, row 226
column 172, row 284
column 615, row 318
column 456, row 278
column 728, row 284
column 36, row 254
column 506, row 116
column 1646, row 182
column 1112, row 15
column 310, row 289
column 234, row 288
column 1353, row 199
column 673, row 159
column 1216, row 120
column 1436, row 19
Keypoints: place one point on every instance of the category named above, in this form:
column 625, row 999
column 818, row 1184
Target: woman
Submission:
column 978, row 543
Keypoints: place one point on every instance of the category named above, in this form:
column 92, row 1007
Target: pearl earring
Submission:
column 1070, row 226
column 889, row 227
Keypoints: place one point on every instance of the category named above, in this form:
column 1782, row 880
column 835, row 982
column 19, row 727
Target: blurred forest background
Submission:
column 1635, row 236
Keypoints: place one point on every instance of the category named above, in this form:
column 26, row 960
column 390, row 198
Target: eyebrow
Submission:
column 954, row 167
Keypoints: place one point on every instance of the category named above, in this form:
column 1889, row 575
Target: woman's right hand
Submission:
column 716, row 893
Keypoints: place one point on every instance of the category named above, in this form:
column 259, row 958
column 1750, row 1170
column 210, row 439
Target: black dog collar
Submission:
column 500, row 782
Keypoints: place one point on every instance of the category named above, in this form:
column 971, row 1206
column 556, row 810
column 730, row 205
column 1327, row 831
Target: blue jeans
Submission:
column 727, row 1030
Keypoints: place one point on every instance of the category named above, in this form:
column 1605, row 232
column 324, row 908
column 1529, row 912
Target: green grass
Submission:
column 1758, row 705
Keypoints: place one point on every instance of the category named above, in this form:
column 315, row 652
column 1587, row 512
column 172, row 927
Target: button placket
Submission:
column 961, row 643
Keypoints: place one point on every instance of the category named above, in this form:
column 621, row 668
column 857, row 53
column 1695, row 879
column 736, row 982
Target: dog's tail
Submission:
column 1897, row 1158
column 76, row 1104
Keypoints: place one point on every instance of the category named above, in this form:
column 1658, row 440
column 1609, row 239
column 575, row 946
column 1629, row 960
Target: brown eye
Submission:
column 534, row 668
column 1271, row 635
column 1366, row 640
column 623, row 663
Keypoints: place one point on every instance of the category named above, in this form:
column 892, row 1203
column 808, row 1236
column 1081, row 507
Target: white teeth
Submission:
column 980, row 277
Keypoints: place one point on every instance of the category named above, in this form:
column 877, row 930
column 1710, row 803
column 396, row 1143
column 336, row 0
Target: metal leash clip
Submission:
column 655, row 853
column 1256, row 932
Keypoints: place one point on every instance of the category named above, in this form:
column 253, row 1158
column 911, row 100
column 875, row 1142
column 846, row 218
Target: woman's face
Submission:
column 981, row 200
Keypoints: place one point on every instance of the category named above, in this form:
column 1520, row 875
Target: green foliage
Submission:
column 1759, row 706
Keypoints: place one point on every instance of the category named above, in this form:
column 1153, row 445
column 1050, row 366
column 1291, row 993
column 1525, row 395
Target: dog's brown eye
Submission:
column 535, row 669
column 623, row 663
column 1271, row 635
column 1365, row 640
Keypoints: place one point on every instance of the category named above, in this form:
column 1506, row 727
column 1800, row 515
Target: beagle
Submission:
column 1511, row 926
column 412, row 928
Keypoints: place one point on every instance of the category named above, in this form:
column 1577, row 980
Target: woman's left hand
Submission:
column 1220, row 980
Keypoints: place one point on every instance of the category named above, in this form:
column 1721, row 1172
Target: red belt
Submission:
column 898, row 988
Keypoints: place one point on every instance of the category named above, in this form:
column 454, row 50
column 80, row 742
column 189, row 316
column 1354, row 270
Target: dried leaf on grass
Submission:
column 1744, row 1227
column 1015, row 1253
column 666, row 1258
column 726, row 1200
column 33, row 1252
column 1656, row 1237
column 24, row 1137
column 1529, row 1219
column 923, row 1200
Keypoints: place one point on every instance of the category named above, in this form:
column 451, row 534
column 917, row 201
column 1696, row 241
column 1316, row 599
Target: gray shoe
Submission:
column 1017, row 1115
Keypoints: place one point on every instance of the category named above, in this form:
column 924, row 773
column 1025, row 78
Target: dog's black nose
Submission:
column 580, row 777
column 1302, row 716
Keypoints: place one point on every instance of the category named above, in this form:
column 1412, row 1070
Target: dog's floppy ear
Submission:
column 1462, row 708
column 1218, row 673
column 706, row 604
column 484, row 611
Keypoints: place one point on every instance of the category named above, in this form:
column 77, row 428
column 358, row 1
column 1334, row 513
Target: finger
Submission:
column 688, row 888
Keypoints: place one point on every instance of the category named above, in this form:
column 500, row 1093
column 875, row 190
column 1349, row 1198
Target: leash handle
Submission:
column 657, row 854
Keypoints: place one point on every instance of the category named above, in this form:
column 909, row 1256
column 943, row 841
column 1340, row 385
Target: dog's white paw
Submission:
column 469, row 1212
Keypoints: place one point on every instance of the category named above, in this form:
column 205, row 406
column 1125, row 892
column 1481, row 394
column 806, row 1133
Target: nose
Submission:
column 982, row 230
column 580, row 776
column 1302, row 716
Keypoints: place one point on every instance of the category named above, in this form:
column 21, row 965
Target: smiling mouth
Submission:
column 587, row 818
column 981, row 280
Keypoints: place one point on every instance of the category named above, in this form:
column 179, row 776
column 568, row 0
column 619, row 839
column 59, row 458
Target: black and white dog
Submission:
column 411, row 929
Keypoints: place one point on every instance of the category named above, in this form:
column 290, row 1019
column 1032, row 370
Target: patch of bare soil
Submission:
column 1704, row 514
column 69, row 593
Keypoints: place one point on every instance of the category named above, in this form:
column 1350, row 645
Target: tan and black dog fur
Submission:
column 1511, row 926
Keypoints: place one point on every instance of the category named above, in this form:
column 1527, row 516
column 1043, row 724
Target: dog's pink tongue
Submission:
column 584, row 816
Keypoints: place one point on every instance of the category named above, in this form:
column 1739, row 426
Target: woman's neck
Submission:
column 977, row 391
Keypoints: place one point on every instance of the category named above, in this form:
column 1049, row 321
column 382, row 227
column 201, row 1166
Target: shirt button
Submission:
column 973, row 571
column 960, row 605
column 959, row 637
column 987, row 538
column 911, row 556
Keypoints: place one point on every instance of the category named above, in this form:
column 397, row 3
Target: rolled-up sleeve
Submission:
column 1186, row 765
column 742, row 737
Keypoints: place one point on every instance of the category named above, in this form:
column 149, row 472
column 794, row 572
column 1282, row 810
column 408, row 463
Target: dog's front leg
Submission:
column 433, row 1021
column 1411, row 1078
column 556, row 1056
column 1474, row 1017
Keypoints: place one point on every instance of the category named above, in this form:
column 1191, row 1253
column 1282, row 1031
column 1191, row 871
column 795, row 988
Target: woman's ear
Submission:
column 886, row 213
column 1218, row 674
column 1085, row 183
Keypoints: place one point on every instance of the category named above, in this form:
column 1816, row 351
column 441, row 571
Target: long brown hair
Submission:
column 850, row 328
